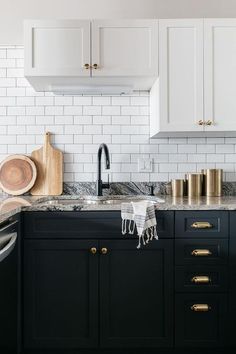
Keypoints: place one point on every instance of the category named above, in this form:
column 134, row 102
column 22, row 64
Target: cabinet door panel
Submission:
column 57, row 47
column 220, row 73
column 125, row 47
column 181, row 74
column 136, row 294
column 197, row 328
column 60, row 294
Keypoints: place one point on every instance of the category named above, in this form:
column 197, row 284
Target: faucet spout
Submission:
column 99, row 184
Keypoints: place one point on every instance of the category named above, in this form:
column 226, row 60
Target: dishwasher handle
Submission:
column 5, row 251
column 7, row 226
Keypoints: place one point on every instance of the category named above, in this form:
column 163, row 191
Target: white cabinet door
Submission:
column 125, row 47
column 181, row 75
column 220, row 74
column 57, row 47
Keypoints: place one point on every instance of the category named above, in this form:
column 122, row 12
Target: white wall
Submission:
column 81, row 123
column 12, row 12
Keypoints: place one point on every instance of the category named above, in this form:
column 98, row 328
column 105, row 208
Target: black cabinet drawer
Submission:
column 87, row 224
column 194, row 251
column 201, row 224
column 201, row 278
column 201, row 320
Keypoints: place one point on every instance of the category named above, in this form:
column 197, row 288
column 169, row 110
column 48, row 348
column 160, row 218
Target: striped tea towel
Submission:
column 142, row 215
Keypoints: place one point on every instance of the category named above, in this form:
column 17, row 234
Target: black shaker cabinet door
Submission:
column 60, row 294
column 136, row 294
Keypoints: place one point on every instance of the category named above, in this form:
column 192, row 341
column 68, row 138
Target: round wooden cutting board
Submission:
column 17, row 174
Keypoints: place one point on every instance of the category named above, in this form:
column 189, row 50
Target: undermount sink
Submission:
column 92, row 200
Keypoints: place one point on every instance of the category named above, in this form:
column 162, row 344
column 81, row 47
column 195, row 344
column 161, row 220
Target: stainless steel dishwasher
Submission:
column 9, row 287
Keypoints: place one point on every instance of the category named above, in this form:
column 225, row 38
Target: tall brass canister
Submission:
column 213, row 179
column 194, row 184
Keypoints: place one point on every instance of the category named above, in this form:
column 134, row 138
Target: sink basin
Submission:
column 92, row 200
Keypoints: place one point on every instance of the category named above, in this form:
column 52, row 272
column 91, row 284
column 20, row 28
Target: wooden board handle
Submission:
column 47, row 138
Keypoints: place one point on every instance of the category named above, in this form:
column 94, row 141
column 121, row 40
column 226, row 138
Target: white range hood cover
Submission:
column 91, row 89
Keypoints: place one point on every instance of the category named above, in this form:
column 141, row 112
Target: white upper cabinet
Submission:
column 57, row 48
column 180, row 75
column 125, row 47
column 220, row 74
column 195, row 92
column 69, row 55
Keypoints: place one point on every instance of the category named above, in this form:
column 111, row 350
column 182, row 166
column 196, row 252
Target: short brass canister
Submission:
column 194, row 184
column 213, row 182
column 178, row 187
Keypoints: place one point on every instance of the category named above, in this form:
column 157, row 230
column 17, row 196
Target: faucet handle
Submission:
column 106, row 185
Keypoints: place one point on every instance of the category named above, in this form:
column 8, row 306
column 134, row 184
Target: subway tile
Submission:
column 92, row 110
column 63, row 101
column 24, row 101
column 82, row 100
column 56, row 110
column 44, row 101
column 73, row 129
column 101, row 100
column 120, row 101
column 111, row 110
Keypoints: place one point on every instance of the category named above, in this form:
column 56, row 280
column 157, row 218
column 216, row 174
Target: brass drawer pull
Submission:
column 93, row 250
column 201, row 279
column 201, row 253
column 200, row 308
column 201, row 225
column 104, row 250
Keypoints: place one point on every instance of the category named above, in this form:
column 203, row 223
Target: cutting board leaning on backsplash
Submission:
column 49, row 163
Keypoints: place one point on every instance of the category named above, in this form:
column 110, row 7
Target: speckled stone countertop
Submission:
column 10, row 206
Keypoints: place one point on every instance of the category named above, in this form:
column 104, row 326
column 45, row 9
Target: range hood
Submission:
column 91, row 56
column 91, row 89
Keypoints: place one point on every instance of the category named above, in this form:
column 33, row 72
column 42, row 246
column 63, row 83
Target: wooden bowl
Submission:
column 17, row 174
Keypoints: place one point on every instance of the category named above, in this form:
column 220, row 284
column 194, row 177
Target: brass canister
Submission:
column 194, row 184
column 178, row 187
column 213, row 182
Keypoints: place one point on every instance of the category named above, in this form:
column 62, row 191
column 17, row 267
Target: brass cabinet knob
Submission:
column 95, row 66
column 200, row 308
column 201, row 279
column 104, row 250
column 209, row 122
column 93, row 250
column 201, row 225
column 201, row 253
column 86, row 66
column 200, row 122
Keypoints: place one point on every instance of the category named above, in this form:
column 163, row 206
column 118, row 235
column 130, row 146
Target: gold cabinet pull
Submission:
column 93, row 250
column 200, row 308
column 201, row 253
column 104, row 250
column 201, row 225
column 209, row 122
column 86, row 66
column 201, row 279
column 95, row 66
column 200, row 122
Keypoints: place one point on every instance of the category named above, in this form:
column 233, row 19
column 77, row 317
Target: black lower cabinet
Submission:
column 60, row 294
column 136, row 294
column 77, row 295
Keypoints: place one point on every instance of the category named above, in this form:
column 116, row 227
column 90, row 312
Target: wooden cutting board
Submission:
column 49, row 163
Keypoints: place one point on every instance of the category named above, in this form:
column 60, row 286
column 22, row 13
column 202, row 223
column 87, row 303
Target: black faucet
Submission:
column 99, row 184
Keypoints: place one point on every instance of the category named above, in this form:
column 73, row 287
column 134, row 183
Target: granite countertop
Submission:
column 10, row 206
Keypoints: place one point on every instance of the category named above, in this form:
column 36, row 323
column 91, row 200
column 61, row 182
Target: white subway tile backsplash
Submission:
column 92, row 110
column 80, row 123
